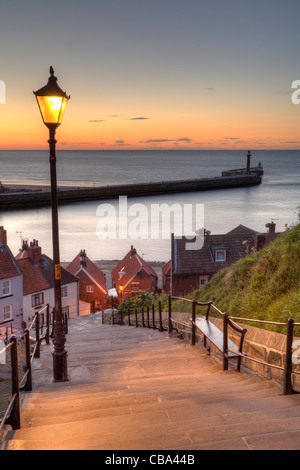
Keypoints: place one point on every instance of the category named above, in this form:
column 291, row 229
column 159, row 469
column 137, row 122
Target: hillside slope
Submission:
column 265, row 285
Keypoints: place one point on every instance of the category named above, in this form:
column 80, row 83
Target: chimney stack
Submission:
column 3, row 236
column 132, row 251
column 35, row 252
column 82, row 257
column 271, row 226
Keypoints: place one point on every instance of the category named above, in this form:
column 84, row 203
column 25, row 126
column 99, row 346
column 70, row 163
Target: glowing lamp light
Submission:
column 52, row 101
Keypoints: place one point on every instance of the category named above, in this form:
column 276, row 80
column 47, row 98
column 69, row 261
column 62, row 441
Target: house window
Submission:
column 7, row 313
column 203, row 280
column 220, row 255
column 64, row 291
column 37, row 299
column 135, row 286
column 90, row 289
column 6, row 288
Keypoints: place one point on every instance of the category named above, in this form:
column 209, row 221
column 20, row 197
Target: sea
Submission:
column 276, row 199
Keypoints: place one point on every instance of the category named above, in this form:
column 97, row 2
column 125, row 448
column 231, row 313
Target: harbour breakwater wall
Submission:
column 18, row 199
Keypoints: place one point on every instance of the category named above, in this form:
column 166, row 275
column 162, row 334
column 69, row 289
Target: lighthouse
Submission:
column 248, row 162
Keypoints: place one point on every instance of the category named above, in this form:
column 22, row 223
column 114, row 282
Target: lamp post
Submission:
column 52, row 103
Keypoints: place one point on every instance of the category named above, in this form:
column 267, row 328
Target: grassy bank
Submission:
column 264, row 285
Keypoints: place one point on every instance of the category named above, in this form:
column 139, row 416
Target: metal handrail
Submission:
column 231, row 321
column 12, row 414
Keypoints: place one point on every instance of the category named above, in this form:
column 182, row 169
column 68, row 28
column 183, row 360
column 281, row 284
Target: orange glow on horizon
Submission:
column 214, row 125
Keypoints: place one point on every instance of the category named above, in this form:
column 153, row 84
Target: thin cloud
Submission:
column 140, row 118
column 155, row 141
column 184, row 139
column 96, row 120
column 77, row 143
column 158, row 141
column 120, row 142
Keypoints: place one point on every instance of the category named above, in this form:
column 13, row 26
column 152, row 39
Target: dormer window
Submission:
column 220, row 255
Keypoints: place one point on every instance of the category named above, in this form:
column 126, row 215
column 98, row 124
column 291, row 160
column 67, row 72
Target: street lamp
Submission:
column 121, row 289
column 52, row 103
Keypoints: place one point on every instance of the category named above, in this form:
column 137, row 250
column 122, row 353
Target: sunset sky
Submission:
column 147, row 74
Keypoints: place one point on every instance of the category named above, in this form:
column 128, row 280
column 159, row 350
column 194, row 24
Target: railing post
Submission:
column 161, row 328
column 66, row 323
column 136, row 318
column 288, row 388
column 225, row 341
column 148, row 318
column 143, row 323
column 121, row 316
column 207, row 311
column 47, row 337
column 112, row 317
column 37, row 354
column 153, row 317
column 129, row 323
column 193, row 337
column 14, row 419
column 170, row 327
column 28, row 384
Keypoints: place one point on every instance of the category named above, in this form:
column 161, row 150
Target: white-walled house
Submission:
column 11, row 288
column 38, row 283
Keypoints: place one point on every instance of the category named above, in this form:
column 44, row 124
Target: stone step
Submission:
column 165, row 386
column 41, row 413
column 149, row 433
column 140, row 389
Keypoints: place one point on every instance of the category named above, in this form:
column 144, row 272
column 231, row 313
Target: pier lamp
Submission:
column 52, row 102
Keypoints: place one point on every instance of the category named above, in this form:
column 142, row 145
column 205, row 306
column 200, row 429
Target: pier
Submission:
column 13, row 199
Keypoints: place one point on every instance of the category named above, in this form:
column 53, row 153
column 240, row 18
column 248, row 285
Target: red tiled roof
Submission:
column 40, row 277
column 91, row 269
column 33, row 280
column 130, row 265
column 8, row 266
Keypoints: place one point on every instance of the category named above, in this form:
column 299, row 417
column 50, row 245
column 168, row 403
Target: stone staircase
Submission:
column 139, row 389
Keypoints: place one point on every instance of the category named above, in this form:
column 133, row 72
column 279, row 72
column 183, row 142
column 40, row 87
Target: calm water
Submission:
column 276, row 198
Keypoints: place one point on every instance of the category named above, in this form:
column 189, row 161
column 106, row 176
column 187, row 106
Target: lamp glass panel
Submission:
column 52, row 108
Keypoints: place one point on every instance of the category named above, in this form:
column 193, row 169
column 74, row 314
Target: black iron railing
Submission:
column 32, row 335
column 151, row 317
column 145, row 317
